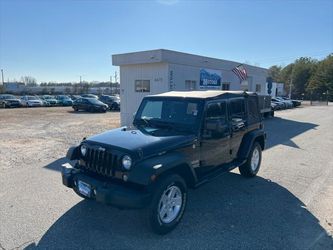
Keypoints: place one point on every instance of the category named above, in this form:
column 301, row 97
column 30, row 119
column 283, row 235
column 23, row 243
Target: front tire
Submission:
column 251, row 167
column 168, row 204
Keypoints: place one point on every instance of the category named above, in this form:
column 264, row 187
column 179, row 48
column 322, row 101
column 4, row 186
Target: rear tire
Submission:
column 168, row 203
column 251, row 167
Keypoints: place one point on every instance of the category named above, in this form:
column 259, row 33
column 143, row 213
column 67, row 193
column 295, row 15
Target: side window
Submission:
column 216, row 111
column 237, row 108
column 215, row 126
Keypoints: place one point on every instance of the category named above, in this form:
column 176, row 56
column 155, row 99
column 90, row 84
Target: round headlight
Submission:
column 83, row 150
column 127, row 162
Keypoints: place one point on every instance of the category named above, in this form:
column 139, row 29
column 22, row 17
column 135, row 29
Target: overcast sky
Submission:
column 61, row 40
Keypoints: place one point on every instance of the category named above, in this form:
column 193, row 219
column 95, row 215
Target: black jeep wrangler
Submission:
column 179, row 140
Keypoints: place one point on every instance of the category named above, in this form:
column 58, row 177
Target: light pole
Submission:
column 2, row 81
column 291, row 81
column 111, row 85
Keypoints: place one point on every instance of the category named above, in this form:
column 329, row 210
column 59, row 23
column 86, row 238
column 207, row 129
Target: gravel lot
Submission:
column 288, row 206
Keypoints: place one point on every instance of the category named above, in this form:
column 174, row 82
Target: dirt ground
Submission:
column 36, row 135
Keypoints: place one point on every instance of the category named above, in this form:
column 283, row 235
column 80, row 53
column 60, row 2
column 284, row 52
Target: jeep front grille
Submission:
column 100, row 162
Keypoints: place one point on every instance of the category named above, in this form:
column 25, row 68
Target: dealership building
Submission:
column 157, row 71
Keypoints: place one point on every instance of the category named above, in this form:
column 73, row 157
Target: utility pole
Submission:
column 111, row 85
column 291, row 81
column 2, row 77
column 115, row 79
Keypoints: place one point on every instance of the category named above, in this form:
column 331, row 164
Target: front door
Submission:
column 215, row 136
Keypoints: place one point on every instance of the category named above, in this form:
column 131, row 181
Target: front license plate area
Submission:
column 84, row 188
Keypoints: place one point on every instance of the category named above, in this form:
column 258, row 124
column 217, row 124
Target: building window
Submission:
column 226, row 86
column 142, row 85
column 258, row 87
column 190, row 85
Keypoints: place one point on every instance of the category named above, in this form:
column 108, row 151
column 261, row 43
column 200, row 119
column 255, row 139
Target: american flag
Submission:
column 240, row 71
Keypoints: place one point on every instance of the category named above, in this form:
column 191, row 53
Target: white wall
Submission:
column 157, row 73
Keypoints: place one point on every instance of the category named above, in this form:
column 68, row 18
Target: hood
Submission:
column 136, row 141
column 12, row 100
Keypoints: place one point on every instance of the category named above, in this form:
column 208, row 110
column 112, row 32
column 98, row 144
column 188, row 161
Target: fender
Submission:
column 73, row 153
column 248, row 140
column 143, row 172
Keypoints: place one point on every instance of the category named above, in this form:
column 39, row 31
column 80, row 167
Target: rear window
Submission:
column 253, row 110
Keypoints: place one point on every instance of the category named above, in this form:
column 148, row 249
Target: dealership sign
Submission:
column 210, row 79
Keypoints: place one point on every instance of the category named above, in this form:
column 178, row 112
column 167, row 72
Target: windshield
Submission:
column 167, row 113
column 32, row 98
column 62, row 97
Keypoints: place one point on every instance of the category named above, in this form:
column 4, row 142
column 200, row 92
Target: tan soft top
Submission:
column 201, row 94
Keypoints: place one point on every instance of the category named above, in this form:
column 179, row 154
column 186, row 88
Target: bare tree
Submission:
column 29, row 80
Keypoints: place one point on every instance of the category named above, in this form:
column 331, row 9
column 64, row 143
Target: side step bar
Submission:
column 218, row 172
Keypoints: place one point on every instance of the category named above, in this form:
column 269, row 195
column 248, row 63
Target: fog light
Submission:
column 125, row 177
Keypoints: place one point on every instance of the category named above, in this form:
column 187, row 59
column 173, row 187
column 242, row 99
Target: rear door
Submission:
column 215, row 136
column 85, row 104
column 237, row 120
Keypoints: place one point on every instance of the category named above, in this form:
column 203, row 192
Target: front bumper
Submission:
column 106, row 192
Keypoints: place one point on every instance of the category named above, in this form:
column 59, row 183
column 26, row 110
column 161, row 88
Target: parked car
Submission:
column 74, row 97
column 64, row 100
column 89, row 104
column 180, row 140
column 31, row 101
column 288, row 103
column 280, row 105
column 50, row 99
column 9, row 101
column 89, row 96
column 112, row 101
column 295, row 103
column 45, row 102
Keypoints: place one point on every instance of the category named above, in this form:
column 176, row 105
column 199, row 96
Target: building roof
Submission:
column 170, row 56
column 202, row 94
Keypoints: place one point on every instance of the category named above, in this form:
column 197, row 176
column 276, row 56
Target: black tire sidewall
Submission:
column 164, row 183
